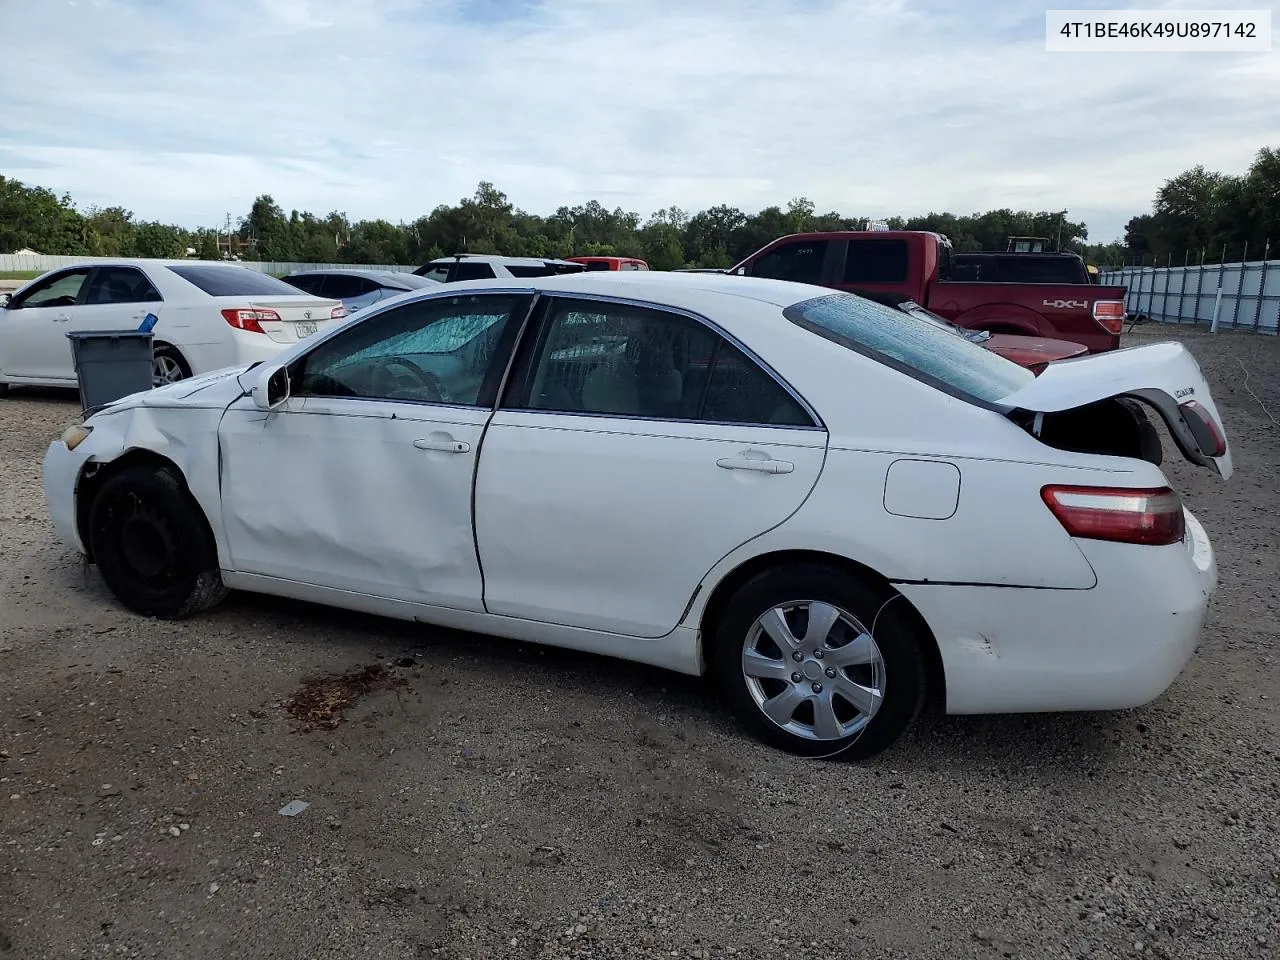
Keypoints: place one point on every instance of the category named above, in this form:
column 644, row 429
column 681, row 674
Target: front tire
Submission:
column 797, row 660
column 152, row 544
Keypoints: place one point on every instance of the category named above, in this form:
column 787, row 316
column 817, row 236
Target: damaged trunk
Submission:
column 1099, row 405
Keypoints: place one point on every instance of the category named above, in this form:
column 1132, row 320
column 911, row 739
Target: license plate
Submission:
column 305, row 328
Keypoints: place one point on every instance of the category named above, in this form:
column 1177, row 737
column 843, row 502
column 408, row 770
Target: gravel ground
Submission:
column 492, row 799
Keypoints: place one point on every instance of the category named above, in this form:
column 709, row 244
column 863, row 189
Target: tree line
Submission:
column 1195, row 210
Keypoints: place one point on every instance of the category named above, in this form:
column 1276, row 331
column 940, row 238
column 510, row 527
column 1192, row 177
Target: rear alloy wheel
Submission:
column 152, row 545
column 820, row 663
column 167, row 365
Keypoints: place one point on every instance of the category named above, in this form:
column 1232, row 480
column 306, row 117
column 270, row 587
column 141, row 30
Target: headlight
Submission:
column 75, row 434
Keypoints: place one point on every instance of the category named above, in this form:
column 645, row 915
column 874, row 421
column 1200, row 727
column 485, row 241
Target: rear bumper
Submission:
column 1118, row 645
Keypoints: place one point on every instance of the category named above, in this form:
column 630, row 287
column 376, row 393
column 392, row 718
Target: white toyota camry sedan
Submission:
column 837, row 508
column 209, row 315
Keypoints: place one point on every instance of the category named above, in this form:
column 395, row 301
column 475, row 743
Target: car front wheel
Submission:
column 820, row 662
column 152, row 545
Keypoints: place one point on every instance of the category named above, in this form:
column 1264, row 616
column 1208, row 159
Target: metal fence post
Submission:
column 1182, row 287
column 1235, row 312
column 1262, row 284
column 1199, row 284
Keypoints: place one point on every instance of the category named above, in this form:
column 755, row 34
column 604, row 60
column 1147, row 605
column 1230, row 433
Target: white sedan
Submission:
column 209, row 316
column 838, row 508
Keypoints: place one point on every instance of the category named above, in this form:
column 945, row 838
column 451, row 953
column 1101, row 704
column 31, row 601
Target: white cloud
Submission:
column 389, row 107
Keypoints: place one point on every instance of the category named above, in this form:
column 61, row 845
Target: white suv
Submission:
column 487, row 266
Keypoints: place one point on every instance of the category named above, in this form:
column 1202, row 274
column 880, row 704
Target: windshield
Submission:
column 220, row 281
column 917, row 345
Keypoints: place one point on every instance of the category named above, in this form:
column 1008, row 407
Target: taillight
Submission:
column 249, row 318
column 338, row 312
column 1109, row 313
column 1210, row 439
column 1146, row 516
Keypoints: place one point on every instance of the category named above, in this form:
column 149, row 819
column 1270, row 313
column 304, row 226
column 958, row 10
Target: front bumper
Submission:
column 61, row 473
column 1118, row 645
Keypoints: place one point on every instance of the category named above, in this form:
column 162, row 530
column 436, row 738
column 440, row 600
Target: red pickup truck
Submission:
column 916, row 265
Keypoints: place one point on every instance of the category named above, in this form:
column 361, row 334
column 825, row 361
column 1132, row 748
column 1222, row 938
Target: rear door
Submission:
column 634, row 449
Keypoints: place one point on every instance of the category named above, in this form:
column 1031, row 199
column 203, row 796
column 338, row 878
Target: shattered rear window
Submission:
column 917, row 346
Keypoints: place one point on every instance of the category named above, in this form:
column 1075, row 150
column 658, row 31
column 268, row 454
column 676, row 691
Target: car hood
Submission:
column 1165, row 376
column 216, row 389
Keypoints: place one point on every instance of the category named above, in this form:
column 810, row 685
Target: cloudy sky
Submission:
column 185, row 110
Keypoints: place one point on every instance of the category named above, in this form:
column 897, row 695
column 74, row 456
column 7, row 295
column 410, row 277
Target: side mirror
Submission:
column 4, row 300
column 271, row 388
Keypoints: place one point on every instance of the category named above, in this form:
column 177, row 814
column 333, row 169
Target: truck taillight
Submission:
column 1152, row 517
column 1210, row 438
column 1109, row 313
column 249, row 318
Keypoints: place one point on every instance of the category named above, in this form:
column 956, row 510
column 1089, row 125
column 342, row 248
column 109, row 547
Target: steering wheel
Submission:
column 410, row 384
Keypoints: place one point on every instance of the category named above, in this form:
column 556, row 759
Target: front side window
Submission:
column 60, row 290
column 443, row 350
column 619, row 360
column 439, row 272
column 121, row 285
column 800, row 262
column 916, row 345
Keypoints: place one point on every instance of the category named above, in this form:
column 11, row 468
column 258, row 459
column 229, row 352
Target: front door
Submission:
column 33, row 329
column 362, row 480
column 634, row 450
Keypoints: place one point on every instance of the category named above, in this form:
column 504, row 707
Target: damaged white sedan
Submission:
column 838, row 508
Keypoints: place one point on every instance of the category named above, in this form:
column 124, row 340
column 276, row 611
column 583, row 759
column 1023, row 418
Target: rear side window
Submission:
column 800, row 262
column 917, row 346
column 599, row 265
column 876, row 261
column 219, row 281
column 309, row 283
column 472, row 271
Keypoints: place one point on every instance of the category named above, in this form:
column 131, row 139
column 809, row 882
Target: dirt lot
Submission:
column 490, row 799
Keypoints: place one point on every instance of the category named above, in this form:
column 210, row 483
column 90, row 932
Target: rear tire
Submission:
column 168, row 365
column 855, row 694
column 152, row 544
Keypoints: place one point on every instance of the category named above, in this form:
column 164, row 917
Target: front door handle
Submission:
column 759, row 466
column 62, row 318
column 443, row 444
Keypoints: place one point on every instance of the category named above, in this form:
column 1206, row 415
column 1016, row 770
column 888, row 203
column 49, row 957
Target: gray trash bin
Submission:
column 111, row 364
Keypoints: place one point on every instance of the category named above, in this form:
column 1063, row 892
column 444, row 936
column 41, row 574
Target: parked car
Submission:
column 610, row 263
column 837, row 508
column 918, row 266
column 484, row 266
column 210, row 315
column 357, row 288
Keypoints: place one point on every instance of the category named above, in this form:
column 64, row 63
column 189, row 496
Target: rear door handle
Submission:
column 61, row 318
column 443, row 444
column 759, row 466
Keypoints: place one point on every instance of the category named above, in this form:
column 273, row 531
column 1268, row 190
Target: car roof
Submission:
column 413, row 282
column 690, row 291
column 498, row 258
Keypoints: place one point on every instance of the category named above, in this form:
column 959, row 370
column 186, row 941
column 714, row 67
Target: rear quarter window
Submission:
column 919, row 347
column 219, row 281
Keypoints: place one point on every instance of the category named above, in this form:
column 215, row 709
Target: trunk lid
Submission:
column 1164, row 376
column 300, row 317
